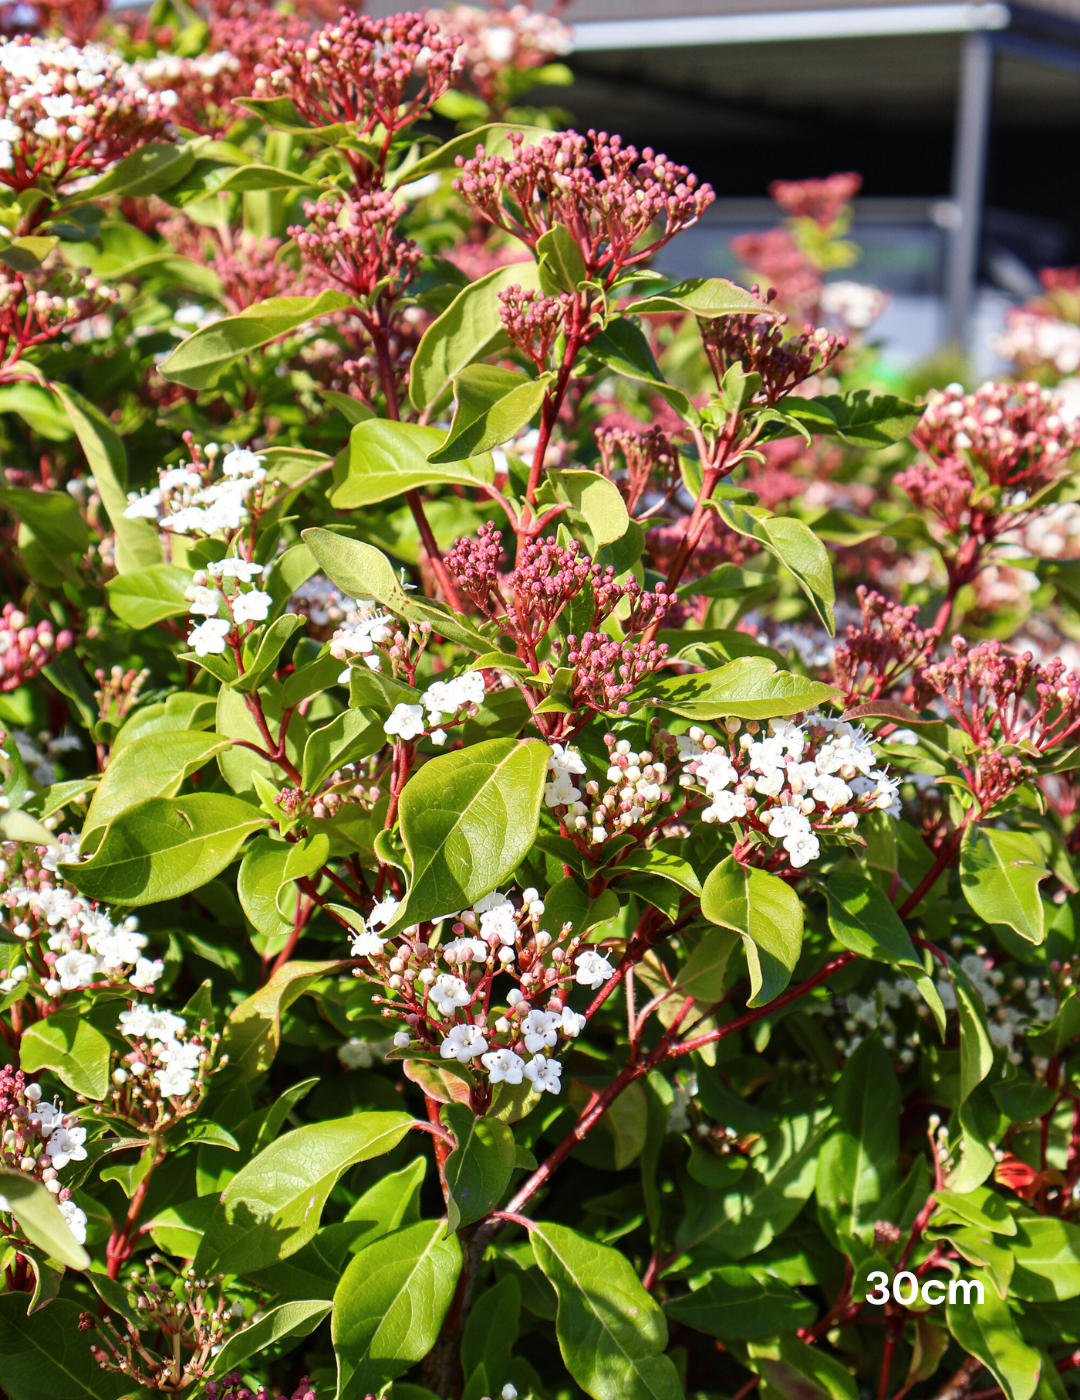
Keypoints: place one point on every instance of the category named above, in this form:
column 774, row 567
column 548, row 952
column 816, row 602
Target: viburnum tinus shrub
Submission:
column 539, row 819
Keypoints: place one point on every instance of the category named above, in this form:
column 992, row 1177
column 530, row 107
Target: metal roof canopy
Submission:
column 988, row 29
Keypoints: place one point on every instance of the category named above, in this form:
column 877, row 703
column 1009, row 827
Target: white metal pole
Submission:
column 973, row 110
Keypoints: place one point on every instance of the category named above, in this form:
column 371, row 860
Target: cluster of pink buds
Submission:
column 874, row 657
column 25, row 646
column 608, row 195
column 821, row 200
column 32, row 315
column 233, row 1388
column 1006, row 436
column 775, row 259
column 68, row 112
column 758, row 344
column 250, row 269
column 1001, row 697
column 650, row 458
column 499, row 41
column 352, row 244
column 370, row 73
column 533, row 321
column 606, row 671
column 39, row 1139
column 182, row 1319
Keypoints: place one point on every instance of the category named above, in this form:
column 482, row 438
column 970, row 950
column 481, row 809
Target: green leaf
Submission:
column 386, row 459
column 252, row 1033
column 287, row 1320
column 1047, row 1254
column 242, row 179
column 165, row 847
column 492, row 1329
column 750, row 687
column 142, row 597
column 264, row 885
column 796, row 547
column 467, row 819
column 466, row 331
column 197, row 361
column 982, row 1207
column 390, row 1305
column 272, row 1206
column 976, row 1050
column 857, row 1167
column 611, row 1333
column 861, row 419
column 260, row 667
column 46, row 1357
column 592, row 497
column 149, row 170
column 392, row 1202
column 767, row 913
column 281, row 114
column 562, row 268
column 137, row 542
column 67, row 1043
column 27, row 254
column 362, row 571
column 1062, row 1030
column 702, row 975
column 478, row 1170
column 622, row 346
column 863, row 920
column 735, row 1304
column 767, row 1197
column 795, row 1371
column 39, row 1217
column 1000, row 873
column 494, row 139
column 667, row 864
column 706, row 298
column 153, row 766
column 987, row 1330
column 493, row 405
column 52, row 515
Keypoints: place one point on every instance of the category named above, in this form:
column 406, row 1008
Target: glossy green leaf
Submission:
column 153, row 766
column 857, row 1167
column 492, row 406
column 197, row 361
column 1000, row 873
column 297, row 1319
column 467, row 330
column 736, row 1304
column 165, row 847
column 861, row 419
column 624, row 348
column 494, row 140
column 863, row 920
column 766, row 911
column 797, row 548
column 46, row 1357
column 562, row 268
column 252, row 1033
column 387, row 459
column 705, row 297
column 149, row 170
column 70, row 1045
column 792, row 1370
column 467, row 819
column 748, row 688
column 987, row 1330
column 272, row 1206
column 611, row 1333
column 51, row 515
column 142, row 597
column 39, row 1217
column 1047, row 1255
column 590, row 496
column 478, row 1170
column 390, row 1304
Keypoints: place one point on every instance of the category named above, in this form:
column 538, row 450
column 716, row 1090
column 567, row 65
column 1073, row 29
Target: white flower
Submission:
column 165, row 1025
column 503, row 1064
column 464, row 950
column 715, row 771
column 463, row 1043
column 573, row 1023
column 834, row 792
column 240, row 462
column 66, row 1145
column 75, row 970
column 174, row 1081
column 18, row 974
column 406, row 721
column 204, row 602
column 788, row 821
column 726, row 807
column 384, row 911
column 802, row 849
column 367, row 944
column 236, row 568
column 402, row 1040
column 75, row 1218
column 499, row 922
column 251, row 607
column 51, row 1115
column 540, row 1029
column 209, row 637
column 593, row 969
column 145, row 973
column 545, row 1074
column 448, row 993
column 563, row 766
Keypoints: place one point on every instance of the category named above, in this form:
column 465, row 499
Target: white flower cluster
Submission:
column 186, row 501
column 84, row 944
column 173, row 1062
column 1033, row 339
column 1004, row 1022
column 166, row 68
column 63, row 1140
column 218, row 590
column 53, row 93
column 792, row 782
column 637, row 789
column 365, row 627
column 443, row 701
